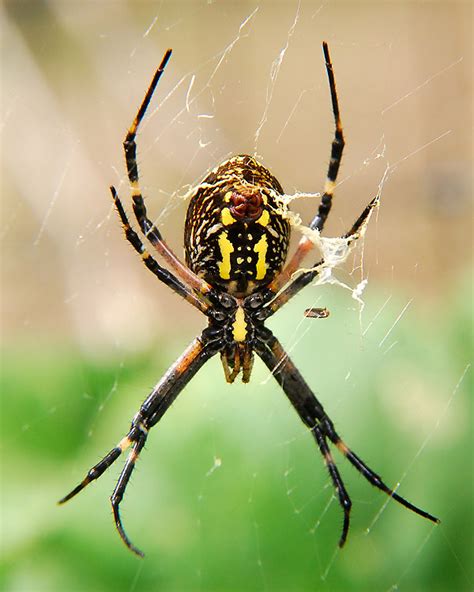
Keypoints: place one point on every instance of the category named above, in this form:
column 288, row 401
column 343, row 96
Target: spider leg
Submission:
column 151, row 411
column 344, row 499
column 96, row 471
column 119, row 491
column 301, row 280
column 372, row 477
column 315, row 418
column 161, row 273
column 139, row 208
column 337, row 148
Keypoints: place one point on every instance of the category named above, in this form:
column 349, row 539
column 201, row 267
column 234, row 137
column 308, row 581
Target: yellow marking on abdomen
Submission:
column 226, row 248
column 264, row 218
column 239, row 326
column 227, row 217
column 261, row 249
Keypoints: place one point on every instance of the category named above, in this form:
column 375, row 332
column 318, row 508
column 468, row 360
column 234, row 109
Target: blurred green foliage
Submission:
column 231, row 493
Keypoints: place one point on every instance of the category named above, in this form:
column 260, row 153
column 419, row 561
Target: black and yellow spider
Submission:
column 236, row 241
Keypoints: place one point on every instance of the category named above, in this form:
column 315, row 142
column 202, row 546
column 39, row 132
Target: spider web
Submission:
column 244, row 78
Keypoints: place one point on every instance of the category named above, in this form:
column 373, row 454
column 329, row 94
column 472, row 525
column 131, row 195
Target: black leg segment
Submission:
column 314, row 417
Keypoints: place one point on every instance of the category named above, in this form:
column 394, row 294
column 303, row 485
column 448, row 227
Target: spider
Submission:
column 236, row 241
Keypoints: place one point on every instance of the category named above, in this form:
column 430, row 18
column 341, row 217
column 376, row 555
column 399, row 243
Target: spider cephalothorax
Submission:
column 236, row 241
column 238, row 324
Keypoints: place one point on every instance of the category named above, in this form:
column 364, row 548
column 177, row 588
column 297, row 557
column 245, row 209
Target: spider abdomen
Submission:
column 236, row 234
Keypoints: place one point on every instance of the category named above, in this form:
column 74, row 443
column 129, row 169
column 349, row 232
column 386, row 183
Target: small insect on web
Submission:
column 236, row 241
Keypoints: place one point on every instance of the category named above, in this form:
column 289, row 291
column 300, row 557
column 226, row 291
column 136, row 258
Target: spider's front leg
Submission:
column 310, row 411
column 137, row 437
column 151, row 411
column 315, row 418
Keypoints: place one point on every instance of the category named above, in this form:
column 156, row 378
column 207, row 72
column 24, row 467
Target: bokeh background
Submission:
column 230, row 493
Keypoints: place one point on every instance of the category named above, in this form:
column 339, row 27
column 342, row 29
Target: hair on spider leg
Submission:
column 236, row 241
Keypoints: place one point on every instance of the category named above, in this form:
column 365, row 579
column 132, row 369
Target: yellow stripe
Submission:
column 227, row 217
column 261, row 248
column 264, row 218
column 239, row 326
column 226, row 249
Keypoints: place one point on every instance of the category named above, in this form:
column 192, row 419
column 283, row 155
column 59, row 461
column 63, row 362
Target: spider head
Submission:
column 235, row 326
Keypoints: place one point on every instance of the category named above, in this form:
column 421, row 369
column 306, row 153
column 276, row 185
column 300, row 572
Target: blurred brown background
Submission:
column 74, row 73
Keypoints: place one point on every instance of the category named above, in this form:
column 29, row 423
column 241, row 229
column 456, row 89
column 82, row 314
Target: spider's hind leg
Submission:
column 150, row 231
column 337, row 148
